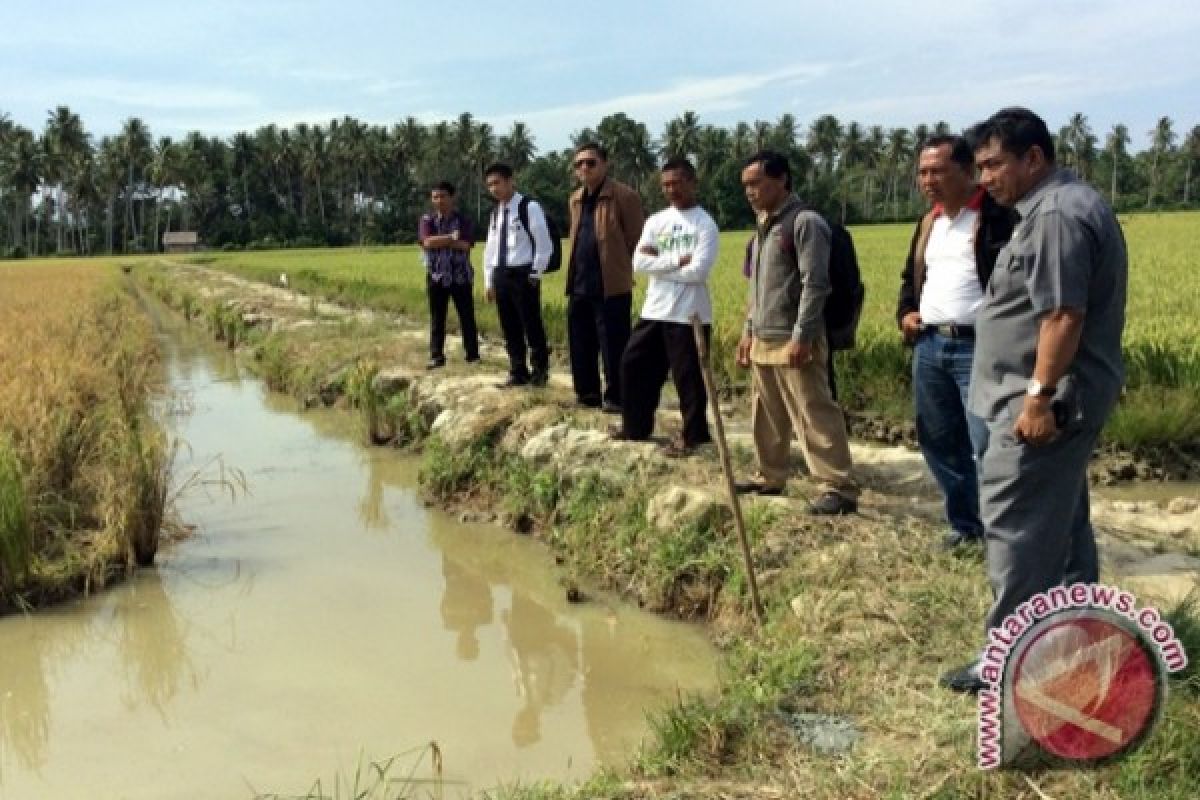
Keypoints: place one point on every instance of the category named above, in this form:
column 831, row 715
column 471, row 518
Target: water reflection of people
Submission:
column 466, row 605
column 611, row 670
column 545, row 662
column 152, row 642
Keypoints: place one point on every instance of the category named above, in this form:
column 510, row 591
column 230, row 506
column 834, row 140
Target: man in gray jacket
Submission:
column 1047, row 372
column 784, row 342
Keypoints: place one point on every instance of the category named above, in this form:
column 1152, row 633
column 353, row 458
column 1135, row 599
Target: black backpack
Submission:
column 843, row 307
column 555, row 262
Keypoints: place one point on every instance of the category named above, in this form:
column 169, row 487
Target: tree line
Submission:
column 62, row 191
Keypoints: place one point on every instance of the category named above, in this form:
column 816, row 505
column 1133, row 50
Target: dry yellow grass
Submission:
column 82, row 466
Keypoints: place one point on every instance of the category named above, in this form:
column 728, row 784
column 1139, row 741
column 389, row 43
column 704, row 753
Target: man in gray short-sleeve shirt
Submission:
column 1047, row 369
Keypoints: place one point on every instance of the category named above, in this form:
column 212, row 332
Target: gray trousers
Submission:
column 1034, row 505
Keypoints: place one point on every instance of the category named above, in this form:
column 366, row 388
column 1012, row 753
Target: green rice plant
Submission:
column 188, row 304
column 275, row 363
column 448, row 471
column 528, row 490
column 1161, row 337
column 16, row 539
column 394, row 778
column 363, row 395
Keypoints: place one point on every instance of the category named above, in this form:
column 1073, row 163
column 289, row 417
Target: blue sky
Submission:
column 220, row 66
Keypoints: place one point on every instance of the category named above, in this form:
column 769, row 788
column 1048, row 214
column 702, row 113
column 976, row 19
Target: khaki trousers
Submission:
column 790, row 398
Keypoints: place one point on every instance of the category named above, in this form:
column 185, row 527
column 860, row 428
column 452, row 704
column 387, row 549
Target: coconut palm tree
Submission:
column 1191, row 153
column 1118, row 141
column 1162, row 143
column 164, row 174
column 24, row 171
column 109, row 176
column 135, row 144
column 681, row 136
column 64, row 142
column 824, row 139
column 783, row 134
column 516, row 148
column 896, row 154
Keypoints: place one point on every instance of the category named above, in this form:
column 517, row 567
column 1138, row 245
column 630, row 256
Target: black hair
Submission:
column 774, row 165
column 960, row 149
column 503, row 170
column 1017, row 130
column 682, row 164
column 444, row 186
column 594, row 147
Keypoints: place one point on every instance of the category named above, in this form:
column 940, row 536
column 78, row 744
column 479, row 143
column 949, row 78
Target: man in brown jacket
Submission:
column 606, row 222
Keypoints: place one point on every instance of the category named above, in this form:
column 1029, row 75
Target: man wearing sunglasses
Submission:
column 606, row 223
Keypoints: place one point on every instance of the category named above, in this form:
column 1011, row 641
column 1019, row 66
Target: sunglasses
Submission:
column 586, row 162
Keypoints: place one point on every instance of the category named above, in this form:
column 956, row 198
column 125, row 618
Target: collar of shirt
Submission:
column 769, row 218
column 974, row 203
column 590, row 197
column 512, row 204
column 1033, row 198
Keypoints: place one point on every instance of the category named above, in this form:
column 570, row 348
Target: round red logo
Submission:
column 1086, row 688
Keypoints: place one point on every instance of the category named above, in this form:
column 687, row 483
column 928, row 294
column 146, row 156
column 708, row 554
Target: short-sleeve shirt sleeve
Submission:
column 466, row 229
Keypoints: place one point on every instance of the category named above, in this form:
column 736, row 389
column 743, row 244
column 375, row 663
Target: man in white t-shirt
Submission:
column 677, row 249
column 953, row 251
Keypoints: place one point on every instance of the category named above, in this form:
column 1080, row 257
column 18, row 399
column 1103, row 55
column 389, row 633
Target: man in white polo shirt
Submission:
column 677, row 249
column 953, row 252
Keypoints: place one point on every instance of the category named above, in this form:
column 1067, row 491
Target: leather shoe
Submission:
column 589, row 402
column 512, row 382
column 965, row 679
column 956, row 539
column 757, row 487
column 609, row 407
column 834, row 504
column 618, row 434
column 539, row 377
column 435, row 363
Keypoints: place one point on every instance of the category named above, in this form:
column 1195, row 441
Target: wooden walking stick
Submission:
column 727, row 468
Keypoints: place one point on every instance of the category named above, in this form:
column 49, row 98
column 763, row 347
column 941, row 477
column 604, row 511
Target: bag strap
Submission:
column 523, row 215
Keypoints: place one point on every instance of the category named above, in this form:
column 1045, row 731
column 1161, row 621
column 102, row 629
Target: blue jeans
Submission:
column 949, row 435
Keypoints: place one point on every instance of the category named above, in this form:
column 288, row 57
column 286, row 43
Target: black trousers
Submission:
column 464, row 304
column 598, row 328
column 654, row 348
column 832, row 376
column 519, row 306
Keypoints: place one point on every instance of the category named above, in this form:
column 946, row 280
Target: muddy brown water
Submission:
column 323, row 620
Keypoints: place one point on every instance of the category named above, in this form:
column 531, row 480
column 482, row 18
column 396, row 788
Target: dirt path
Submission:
column 1149, row 536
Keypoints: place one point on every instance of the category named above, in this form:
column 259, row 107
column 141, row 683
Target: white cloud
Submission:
column 380, row 87
column 133, row 94
column 225, row 125
column 702, row 95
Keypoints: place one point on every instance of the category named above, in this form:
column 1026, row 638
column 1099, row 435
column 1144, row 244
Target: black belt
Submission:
column 952, row 331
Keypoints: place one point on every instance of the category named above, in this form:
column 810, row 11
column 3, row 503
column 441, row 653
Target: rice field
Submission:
column 1162, row 338
column 82, row 464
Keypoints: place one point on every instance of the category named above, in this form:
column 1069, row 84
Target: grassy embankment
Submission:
column 863, row 612
column 1161, row 406
column 83, row 467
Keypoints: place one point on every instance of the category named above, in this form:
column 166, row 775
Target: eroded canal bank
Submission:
column 863, row 612
column 322, row 617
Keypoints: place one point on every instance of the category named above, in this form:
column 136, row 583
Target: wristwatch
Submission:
column 1036, row 389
